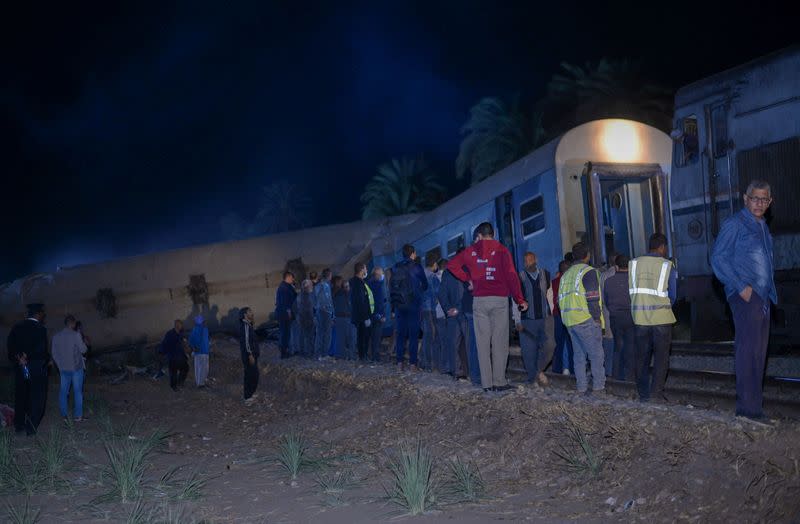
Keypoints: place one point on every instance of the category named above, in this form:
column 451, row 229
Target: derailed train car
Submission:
column 604, row 182
column 612, row 183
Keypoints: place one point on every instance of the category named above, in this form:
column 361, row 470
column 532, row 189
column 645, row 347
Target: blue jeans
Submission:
column 472, row 353
column 72, row 379
column 407, row 329
column 560, row 362
column 587, row 340
column 751, row 330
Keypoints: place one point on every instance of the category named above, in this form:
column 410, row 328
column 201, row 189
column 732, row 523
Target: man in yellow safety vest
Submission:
column 581, row 305
column 652, row 283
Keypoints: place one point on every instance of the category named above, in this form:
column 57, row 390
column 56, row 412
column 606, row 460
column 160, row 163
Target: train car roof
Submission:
column 501, row 182
column 704, row 87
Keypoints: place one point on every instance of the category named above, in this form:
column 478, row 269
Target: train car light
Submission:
column 621, row 141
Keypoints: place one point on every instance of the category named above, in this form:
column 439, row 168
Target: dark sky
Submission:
column 131, row 128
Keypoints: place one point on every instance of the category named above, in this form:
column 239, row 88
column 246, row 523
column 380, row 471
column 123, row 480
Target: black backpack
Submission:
column 401, row 288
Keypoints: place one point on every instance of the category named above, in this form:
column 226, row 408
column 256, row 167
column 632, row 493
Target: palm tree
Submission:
column 606, row 89
column 284, row 207
column 497, row 134
column 402, row 186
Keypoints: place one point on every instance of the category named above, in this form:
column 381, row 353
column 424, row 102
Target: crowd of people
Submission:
column 591, row 322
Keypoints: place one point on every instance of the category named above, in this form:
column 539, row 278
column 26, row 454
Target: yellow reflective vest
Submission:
column 648, row 285
column 572, row 296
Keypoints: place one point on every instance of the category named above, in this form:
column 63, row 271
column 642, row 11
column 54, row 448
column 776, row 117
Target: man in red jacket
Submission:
column 492, row 278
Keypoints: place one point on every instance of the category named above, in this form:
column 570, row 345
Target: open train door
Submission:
column 626, row 204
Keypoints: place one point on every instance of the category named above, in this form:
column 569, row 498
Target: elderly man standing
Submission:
column 742, row 260
column 68, row 350
column 536, row 324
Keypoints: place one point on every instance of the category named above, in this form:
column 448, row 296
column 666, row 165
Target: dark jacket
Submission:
column 284, row 300
column 248, row 344
column 172, row 346
column 418, row 279
column 378, row 288
column 341, row 304
column 537, row 309
column 616, row 294
column 29, row 337
column 451, row 293
column 359, row 301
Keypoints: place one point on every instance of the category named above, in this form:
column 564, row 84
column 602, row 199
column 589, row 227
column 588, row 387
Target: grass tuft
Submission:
column 141, row 513
column 52, row 460
column 187, row 488
column 22, row 515
column 292, row 452
column 334, row 485
column 413, row 485
column 127, row 461
column 578, row 455
column 465, row 482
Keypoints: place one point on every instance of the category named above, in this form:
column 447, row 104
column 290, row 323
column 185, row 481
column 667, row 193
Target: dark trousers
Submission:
column 562, row 337
column 453, row 338
column 285, row 329
column 375, row 339
column 178, row 369
column 751, row 325
column 655, row 342
column 407, row 329
column 363, row 335
column 472, row 352
column 532, row 340
column 30, row 397
column 624, row 364
column 250, row 376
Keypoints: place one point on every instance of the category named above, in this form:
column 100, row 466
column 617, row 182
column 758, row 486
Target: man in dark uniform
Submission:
column 27, row 351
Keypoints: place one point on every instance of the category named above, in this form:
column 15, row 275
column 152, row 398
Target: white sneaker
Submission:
column 565, row 372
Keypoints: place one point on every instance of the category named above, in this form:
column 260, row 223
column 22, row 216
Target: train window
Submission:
column 454, row 244
column 687, row 142
column 433, row 255
column 531, row 215
column 719, row 131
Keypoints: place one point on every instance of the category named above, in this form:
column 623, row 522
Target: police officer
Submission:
column 27, row 351
column 652, row 283
column 581, row 305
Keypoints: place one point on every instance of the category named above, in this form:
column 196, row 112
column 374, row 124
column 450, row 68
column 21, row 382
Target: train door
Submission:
column 626, row 204
column 504, row 214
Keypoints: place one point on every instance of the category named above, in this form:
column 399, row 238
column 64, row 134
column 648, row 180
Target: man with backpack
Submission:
column 407, row 286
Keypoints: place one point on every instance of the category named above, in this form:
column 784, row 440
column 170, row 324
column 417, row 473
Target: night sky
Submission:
column 133, row 128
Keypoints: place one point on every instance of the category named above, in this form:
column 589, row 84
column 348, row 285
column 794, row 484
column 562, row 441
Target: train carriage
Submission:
column 604, row 182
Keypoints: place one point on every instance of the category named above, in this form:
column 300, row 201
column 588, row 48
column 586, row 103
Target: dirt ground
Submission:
column 656, row 463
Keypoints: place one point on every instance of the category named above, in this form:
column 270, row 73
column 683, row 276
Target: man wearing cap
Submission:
column 198, row 340
column 27, row 351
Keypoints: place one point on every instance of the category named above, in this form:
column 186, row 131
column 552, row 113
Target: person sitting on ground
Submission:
column 248, row 345
column 306, row 313
column 174, row 347
column 68, row 350
column 198, row 340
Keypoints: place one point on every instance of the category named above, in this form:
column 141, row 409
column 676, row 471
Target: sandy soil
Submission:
column 659, row 463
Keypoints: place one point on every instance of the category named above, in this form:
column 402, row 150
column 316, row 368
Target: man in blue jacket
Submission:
column 324, row 299
column 284, row 300
column 407, row 287
column 742, row 259
column 378, row 286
